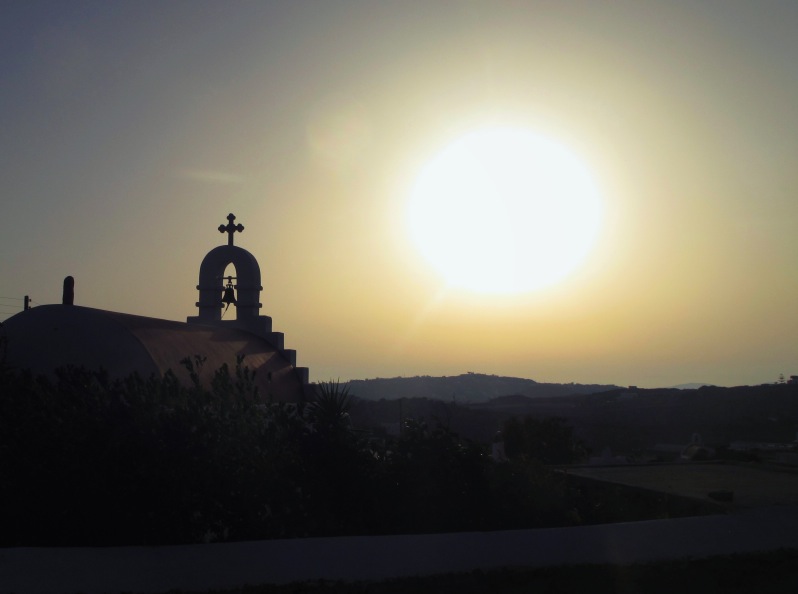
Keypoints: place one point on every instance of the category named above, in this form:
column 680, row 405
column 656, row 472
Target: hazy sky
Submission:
column 130, row 129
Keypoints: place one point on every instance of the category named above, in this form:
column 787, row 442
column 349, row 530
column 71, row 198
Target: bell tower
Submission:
column 211, row 280
column 217, row 290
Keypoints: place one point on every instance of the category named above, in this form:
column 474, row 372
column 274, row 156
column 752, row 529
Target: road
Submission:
column 203, row 567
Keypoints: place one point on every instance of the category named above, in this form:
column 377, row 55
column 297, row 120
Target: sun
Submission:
column 504, row 210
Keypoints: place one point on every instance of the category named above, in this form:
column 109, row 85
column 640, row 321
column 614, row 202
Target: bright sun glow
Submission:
column 503, row 210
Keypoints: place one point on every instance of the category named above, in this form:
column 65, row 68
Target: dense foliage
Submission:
column 85, row 460
column 550, row 440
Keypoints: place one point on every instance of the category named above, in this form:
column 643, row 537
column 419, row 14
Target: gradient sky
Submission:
column 131, row 129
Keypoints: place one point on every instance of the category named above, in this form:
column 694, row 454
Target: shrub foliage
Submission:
column 86, row 460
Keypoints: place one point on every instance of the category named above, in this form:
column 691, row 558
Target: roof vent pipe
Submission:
column 69, row 291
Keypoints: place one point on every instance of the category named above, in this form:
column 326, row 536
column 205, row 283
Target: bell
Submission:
column 229, row 296
column 229, row 293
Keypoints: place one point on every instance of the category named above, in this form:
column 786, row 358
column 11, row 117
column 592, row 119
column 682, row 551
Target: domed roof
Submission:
column 51, row 336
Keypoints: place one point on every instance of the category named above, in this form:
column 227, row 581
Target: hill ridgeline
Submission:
column 465, row 388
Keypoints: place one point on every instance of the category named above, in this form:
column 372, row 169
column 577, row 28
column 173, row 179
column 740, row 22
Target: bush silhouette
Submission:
column 85, row 460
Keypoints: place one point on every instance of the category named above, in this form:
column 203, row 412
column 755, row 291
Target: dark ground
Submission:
column 775, row 572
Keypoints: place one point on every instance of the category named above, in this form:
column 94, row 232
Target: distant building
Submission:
column 696, row 450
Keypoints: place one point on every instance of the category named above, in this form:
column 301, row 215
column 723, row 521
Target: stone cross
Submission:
column 230, row 228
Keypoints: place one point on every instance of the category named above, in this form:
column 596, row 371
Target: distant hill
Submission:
column 465, row 388
column 626, row 420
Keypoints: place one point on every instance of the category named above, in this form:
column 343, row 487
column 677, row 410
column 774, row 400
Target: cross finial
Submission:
column 230, row 228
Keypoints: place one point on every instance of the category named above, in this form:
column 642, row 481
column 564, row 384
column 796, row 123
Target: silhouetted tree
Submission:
column 548, row 441
column 437, row 481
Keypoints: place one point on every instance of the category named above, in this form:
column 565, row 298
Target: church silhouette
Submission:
column 47, row 337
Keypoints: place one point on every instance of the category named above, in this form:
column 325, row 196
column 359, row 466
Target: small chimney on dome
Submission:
column 69, row 291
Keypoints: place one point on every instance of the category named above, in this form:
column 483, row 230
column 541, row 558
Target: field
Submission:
column 752, row 486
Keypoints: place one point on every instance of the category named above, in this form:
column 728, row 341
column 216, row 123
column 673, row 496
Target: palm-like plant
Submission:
column 330, row 409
